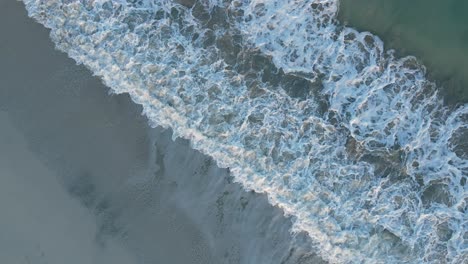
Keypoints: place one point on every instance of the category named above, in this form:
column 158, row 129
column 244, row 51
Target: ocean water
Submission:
column 436, row 32
column 349, row 140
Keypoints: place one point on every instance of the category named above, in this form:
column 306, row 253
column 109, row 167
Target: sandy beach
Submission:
column 84, row 179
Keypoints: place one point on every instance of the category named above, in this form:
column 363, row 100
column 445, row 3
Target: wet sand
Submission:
column 85, row 179
column 41, row 222
column 85, row 145
column 434, row 31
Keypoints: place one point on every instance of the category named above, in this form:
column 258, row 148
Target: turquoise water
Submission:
column 434, row 31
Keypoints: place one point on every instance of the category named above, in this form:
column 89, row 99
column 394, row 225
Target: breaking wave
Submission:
column 352, row 142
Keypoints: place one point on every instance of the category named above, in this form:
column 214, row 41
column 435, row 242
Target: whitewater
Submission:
column 350, row 141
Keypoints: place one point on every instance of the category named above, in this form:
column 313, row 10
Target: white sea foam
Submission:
column 368, row 164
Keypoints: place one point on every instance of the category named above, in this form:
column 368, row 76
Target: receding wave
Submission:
column 352, row 142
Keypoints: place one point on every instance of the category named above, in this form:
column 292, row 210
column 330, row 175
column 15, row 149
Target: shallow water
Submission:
column 351, row 141
column 434, row 31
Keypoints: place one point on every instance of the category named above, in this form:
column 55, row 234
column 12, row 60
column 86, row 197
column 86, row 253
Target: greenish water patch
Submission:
column 434, row 31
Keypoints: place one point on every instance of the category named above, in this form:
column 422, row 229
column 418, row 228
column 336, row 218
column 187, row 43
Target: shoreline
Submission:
column 159, row 199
